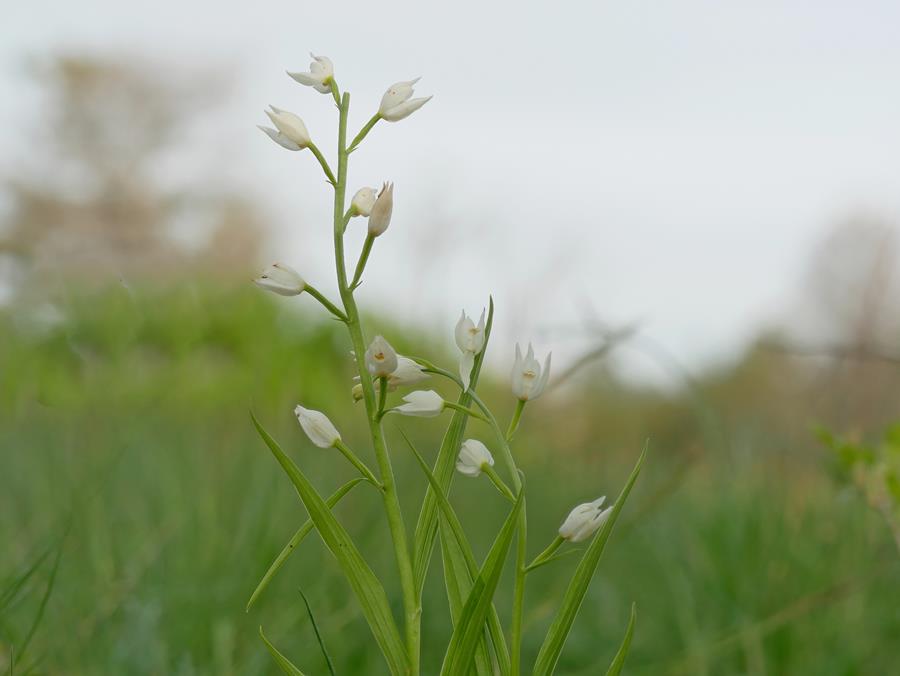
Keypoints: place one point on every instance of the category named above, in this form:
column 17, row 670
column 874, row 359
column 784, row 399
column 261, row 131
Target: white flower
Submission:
column 380, row 214
column 470, row 340
column 289, row 125
column 396, row 102
column 381, row 360
column 528, row 378
column 585, row 520
column 317, row 427
column 473, row 457
column 281, row 279
column 423, row 403
column 363, row 201
column 321, row 72
column 407, row 372
column 279, row 138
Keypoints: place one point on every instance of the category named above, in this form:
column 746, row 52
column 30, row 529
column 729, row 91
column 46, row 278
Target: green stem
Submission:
column 467, row 411
column 327, row 304
column 356, row 462
column 335, row 92
column 389, row 491
column 546, row 554
column 498, row 482
column 362, row 132
column 514, row 422
column 363, row 259
column 314, row 149
column 521, row 543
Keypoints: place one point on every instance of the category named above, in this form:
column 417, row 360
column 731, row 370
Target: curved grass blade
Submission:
column 460, row 570
column 319, row 638
column 365, row 585
column 283, row 662
column 619, row 660
column 470, row 628
column 15, row 586
column 565, row 616
column 426, row 526
column 297, row 538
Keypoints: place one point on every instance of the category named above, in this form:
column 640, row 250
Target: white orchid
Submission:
column 528, row 378
column 281, row 279
column 585, row 520
column 470, row 341
column 407, row 372
column 363, row 201
column 320, row 75
column 473, row 458
column 422, row 403
column 290, row 126
column 381, row 360
column 380, row 214
column 279, row 138
column 317, row 427
column 396, row 102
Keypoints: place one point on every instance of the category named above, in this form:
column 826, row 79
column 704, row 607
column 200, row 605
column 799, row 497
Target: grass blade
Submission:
column 319, row 638
column 365, row 585
column 426, row 526
column 470, row 628
column 619, row 660
column 296, row 539
column 283, row 662
column 565, row 616
column 15, row 586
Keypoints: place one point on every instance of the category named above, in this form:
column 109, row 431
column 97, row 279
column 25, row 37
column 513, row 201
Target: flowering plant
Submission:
column 478, row 643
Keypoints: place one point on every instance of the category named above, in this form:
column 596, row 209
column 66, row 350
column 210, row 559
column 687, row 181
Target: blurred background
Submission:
column 694, row 205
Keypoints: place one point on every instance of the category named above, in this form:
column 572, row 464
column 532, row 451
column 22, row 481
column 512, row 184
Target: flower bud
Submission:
column 381, row 360
column 290, row 126
column 585, row 520
column 356, row 392
column 317, row 427
column 278, row 137
column 396, row 102
column 470, row 340
column 380, row 216
column 473, row 457
column 422, row 403
column 281, row 279
column 320, row 75
column 363, row 201
column 528, row 378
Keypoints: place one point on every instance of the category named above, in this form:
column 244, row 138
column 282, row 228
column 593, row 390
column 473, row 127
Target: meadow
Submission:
column 128, row 455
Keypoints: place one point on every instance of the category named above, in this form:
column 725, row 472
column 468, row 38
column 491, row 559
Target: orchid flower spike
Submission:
column 380, row 213
column 281, row 279
column 289, row 126
column 317, row 427
column 381, row 360
column 422, row 403
column 473, row 458
column 320, row 75
column 363, row 201
column 470, row 340
column 585, row 520
column 396, row 102
column 528, row 378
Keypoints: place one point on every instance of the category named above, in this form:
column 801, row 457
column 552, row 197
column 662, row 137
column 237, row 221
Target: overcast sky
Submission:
column 668, row 161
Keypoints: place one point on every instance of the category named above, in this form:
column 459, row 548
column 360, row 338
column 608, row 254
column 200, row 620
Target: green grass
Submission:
column 130, row 424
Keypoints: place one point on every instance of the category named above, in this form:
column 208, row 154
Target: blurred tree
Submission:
column 107, row 190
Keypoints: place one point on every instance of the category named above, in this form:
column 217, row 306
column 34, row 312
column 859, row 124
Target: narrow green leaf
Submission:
column 15, row 586
column 366, row 586
column 46, row 597
column 297, row 538
column 426, row 526
column 457, row 552
column 470, row 628
column 565, row 616
column 319, row 638
column 619, row 660
column 283, row 662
